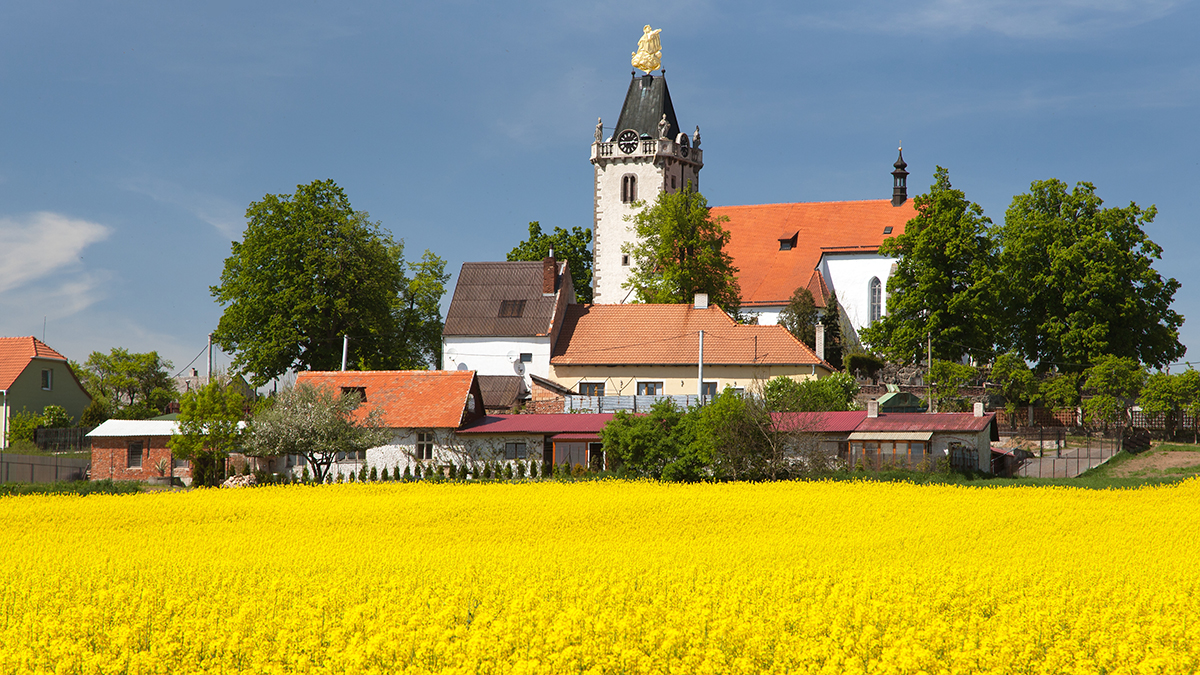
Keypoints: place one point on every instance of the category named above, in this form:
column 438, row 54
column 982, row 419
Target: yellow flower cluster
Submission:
column 605, row 577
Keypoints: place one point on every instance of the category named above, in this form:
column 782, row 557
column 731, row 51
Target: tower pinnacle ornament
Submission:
column 648, row 56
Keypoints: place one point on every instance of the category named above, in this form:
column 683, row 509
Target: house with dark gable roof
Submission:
column 504, row 318
column 33, row 376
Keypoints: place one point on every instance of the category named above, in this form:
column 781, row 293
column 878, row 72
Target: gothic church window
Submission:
column 874, row 300
column 629, row 188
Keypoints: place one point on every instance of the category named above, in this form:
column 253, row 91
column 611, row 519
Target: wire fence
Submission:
column 1054, row 452
column 39, row 469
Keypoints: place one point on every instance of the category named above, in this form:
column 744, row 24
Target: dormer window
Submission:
column 629, row 188
column 788, row 243
column 887, row 230
column 512, row 308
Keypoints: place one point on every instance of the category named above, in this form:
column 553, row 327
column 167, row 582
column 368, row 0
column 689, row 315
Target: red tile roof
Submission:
column 769, row 276
column 411, row 399
column 820, row 422
column 17, row 352
column 927, row 422
column 669, row 334
column 557, row 423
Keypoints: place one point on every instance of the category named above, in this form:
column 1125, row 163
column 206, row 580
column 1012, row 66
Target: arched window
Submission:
column 629, row 188
column 874, row 300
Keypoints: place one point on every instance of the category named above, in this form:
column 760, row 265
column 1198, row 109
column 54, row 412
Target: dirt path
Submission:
column 1157, row 462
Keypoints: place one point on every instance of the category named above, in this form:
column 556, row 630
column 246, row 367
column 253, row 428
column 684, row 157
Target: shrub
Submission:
column 375, row 475
column 55, row 417
column 462, row 471
column 520, row 469
column 305, row 476
column 508, row 472
column 352, row 477
column 362, row 474
column 417, row 471
column 408, row 475
column 578, row 470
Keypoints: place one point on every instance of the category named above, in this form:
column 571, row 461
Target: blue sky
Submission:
column 135, row 134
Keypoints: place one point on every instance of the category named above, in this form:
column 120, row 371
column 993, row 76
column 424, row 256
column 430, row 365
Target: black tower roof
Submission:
column 647, row 100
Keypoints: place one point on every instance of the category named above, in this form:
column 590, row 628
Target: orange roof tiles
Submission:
column 769, row 276
column 411, row 399
column 668, row 334
column 15, row 354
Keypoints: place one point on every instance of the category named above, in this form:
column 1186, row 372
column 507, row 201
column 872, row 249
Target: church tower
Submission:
column 646, row 154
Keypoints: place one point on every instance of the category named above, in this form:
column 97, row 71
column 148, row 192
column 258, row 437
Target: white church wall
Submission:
column 612, row 231
column 849, row 277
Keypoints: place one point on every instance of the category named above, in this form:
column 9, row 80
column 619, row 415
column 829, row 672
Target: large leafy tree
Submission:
column 942, row 285
column 1080, row 282
column 316, row 423
column 209, row 429
column 1115, row 382
column 570, row 245
column 128, row 385
column 1016, row 381
column 681, row 251
column 310, row 270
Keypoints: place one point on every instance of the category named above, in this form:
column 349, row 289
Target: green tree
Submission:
column 800, row 316
column 315, row 423
column 570, row 245
column 1080, row 282
column 310, row 270
column 1115, row 382
column 681, row 252
column 831, row 319
column 946, row 378
column 1162, row 395
column 1060, row 391
column 1016, row 381
column 942, row 286
column 833, row 393
column 660, row 444
column 1188, row 391
column 209, row 429
column 130, row 385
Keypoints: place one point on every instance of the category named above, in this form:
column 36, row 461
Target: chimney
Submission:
column 899, row 181
column 872, row 408
column 194, row 373
column 820, row 343
column 979, row 409
column 549, row 274
column 701, row 301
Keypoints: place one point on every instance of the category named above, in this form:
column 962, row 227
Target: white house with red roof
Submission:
column 33, row 376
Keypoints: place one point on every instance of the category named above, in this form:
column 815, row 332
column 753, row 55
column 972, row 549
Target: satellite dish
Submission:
column 452, row 354
column 519, row 367
column 513, row 356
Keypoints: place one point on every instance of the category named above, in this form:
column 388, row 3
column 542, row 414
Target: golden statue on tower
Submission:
column 648, row 56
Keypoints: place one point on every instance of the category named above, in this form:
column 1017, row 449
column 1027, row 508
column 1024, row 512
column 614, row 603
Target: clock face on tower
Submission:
column 627, row 141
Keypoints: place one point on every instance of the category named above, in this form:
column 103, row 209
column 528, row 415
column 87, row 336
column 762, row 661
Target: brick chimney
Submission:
column 549, row 274
column 820, row 343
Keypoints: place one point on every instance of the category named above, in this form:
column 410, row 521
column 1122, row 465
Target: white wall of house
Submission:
column 849, row 275
column 980, row 441
column 490, row 355
column 449, row 448
column 767, row 316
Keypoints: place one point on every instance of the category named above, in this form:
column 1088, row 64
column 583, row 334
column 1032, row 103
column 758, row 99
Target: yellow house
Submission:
column 649, row 350
column 33, row 376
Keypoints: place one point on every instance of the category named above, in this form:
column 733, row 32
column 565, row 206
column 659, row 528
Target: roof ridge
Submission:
column 836, row 201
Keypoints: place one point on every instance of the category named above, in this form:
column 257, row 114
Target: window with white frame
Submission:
column 424, row 445
column 649, row 388
column 47, row 380
column 874, row 300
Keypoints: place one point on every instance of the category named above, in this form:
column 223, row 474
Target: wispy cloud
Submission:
column 35, row 246
column 1031, row 19
column 222, row 214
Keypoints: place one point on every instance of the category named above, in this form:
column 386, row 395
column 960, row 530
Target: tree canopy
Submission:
column 569, row 245
column 833, row 393
column 800, row 315
column 208, row 429
column 310, row 270
column 681, row 252
column 127, row 385
column 316, row 423
column 1080, row 281
column 1115, row 382
column 942, row 285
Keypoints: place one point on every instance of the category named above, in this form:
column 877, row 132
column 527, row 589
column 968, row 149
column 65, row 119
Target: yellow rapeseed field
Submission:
column 604, row 577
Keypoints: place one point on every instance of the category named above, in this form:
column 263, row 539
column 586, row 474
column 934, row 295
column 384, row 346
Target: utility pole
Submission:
column 700, row 370
column 345, row 348
column 210, row 358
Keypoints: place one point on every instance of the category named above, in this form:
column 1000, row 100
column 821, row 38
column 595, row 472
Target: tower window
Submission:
column 625, row 260
column 629, row 188
column 874, row 300
column 672, row 182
